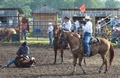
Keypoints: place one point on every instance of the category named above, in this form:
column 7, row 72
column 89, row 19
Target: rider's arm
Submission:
column 18, row 51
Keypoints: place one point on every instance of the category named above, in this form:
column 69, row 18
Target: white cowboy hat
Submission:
column 102, row 19
column 115, row 17
column 50, row 23
column 87, row 17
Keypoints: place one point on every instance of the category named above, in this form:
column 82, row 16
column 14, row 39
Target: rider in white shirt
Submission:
column 66, row 24
column 87, row 35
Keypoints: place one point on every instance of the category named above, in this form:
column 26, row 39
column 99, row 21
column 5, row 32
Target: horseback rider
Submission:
column 87, row 35
column 66, row 24
column 22, row 51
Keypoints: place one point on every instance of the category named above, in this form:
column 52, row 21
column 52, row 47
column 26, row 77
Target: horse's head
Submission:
column 56, row 31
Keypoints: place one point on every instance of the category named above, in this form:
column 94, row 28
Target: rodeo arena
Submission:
column 83, row 43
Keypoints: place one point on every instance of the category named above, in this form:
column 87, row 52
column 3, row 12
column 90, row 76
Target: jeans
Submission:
column 24, row 34
column 87, row 37
column 50, row 38
column 13, row 60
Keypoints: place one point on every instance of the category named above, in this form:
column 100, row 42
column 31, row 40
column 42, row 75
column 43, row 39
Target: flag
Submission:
column 82, row 8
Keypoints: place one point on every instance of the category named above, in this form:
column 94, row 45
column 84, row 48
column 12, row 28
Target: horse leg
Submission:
column 80, row 60
column 55, row 52
column 106, row 69
column 61, row 55
column 103, row 57
column 74, row 64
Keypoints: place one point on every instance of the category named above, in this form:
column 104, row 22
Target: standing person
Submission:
column 77, row 24
column 50, row 33
column 114, row 21
column 24, row 30
column 87, row 34
column 66, row 24
column 0, row 23
column 98, row 28
column 102, row 23
column 22, row 51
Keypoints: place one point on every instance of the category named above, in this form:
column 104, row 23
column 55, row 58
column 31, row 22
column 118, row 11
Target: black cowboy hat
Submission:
column 24, row 44
column 66, row 17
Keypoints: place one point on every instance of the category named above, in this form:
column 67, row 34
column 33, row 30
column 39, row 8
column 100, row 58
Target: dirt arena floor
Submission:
column 45, row 69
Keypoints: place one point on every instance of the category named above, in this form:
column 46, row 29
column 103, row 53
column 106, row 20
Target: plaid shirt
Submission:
column 23, row 51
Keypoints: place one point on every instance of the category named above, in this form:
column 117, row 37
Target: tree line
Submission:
column 29, row 5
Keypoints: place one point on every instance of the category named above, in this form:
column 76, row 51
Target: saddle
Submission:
column 94, row 41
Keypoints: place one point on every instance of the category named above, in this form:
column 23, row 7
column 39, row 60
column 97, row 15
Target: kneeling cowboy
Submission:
column 23, row 51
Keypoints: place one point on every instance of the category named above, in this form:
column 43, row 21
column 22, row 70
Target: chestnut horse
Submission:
column 77, row 48
column 56, row 46
column 23, row 62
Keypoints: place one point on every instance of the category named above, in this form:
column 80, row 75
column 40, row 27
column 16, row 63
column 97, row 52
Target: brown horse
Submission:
column 56, row 46
column 9, row 32
column 23, row 62
column 77, row 48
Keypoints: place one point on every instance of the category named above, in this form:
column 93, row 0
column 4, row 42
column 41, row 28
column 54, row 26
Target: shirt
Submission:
column 87, row 27
column 24, row 26
column 77, row 24
column 23, row 51
column 50, row 28
column 68, row 25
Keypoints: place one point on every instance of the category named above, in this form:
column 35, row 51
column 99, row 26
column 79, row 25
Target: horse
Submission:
column 56, row 46
column 24, row 62
column 77, row 48
column 9, row 32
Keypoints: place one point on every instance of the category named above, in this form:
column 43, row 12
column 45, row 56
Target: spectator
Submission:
column 24, row 30
column 115, row 33
column 113, row 21
column 50, row 33
column 0, row 23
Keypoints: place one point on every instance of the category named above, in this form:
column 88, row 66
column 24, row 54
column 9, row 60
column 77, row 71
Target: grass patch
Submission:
column 35, row 40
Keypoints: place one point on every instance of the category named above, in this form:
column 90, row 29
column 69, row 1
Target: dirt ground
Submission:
column 45, row 69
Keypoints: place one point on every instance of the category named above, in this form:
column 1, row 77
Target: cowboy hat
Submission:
column 102, row 19
column 66, row 18
column 115, row 17
column 24, row 44
column 50, row 23
column 87, row 17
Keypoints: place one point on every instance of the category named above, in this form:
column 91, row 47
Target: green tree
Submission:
column 24, row 4
column 112, row 4
column 89, row 3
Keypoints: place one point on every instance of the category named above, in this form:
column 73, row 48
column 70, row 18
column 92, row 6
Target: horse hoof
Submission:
column 84, row 72
column 62, row 63
column 105, row 72
column 71, row 73
column 99, row 72
column 54, row 62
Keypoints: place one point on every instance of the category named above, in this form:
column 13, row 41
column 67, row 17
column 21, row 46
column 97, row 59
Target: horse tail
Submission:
column 111, row 54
